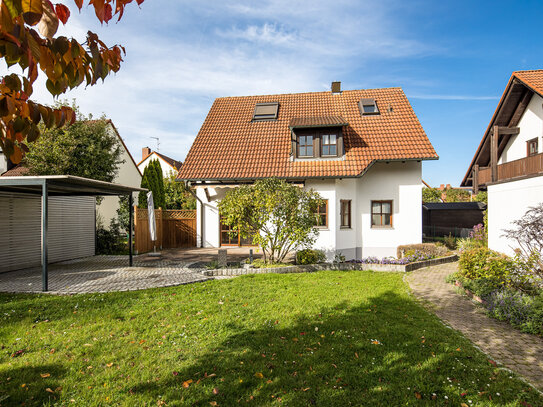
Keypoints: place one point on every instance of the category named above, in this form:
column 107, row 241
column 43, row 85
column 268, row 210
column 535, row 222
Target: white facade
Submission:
column 3, row 163
column 396, row 181
column 531, row 126
column 167, row 169
column 508, row 202
column 128, row 174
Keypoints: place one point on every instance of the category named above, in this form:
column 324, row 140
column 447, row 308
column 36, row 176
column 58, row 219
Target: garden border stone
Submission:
column 331, row 266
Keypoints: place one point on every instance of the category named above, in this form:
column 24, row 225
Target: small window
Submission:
column 266, row 111
column 329, row 144
column 381, row 213
column 305, row 146
column 368, row 107
column 321, row 220
column 533, row 147
column 345, row 213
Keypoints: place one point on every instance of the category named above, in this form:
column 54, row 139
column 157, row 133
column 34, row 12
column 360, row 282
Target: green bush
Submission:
column 110, row 241
column 484, row 263
column 430, row 249
column 450, row 241
column 310, row 256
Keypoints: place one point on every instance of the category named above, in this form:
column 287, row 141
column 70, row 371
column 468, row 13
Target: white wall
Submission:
column 3, row 163
column 401, row 183
column 210, row 216
column 326, row 240
column 508, row 202
column 167, row 169
column 396, row 181
column 128, row 174
column 531, row 126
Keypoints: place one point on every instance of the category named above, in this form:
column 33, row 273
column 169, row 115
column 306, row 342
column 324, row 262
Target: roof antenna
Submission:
column 157, row 144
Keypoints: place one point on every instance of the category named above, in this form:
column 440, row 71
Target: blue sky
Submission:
column 453, row 60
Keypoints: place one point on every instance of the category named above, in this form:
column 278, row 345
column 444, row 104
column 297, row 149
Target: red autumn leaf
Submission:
column 79, row 4
column 418, row 395
column 108, row 12
column 63, row 13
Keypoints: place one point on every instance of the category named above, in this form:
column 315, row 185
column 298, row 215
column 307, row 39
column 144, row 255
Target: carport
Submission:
column 65, row 185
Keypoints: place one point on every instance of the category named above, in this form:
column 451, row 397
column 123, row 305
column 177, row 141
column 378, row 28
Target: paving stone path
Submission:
column 520, row 352
column 101, row 274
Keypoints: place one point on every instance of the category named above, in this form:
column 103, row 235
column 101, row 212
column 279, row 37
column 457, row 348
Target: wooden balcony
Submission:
column 532, row 165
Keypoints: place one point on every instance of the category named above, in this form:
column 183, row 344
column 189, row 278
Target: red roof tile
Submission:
column 231, row 146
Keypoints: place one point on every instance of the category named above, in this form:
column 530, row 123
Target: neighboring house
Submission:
column 509, row 161
column 361, row 150
column 169, row 165
column 128, row 174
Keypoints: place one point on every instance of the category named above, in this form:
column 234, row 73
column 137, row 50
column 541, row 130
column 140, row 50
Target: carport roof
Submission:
column 63, row 185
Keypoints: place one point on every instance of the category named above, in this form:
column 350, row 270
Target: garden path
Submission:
column 520, row 352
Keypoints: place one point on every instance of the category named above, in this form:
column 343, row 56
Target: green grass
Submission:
column 326, row 339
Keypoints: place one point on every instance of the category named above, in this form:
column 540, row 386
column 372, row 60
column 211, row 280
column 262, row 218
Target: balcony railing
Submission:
column 513, row 169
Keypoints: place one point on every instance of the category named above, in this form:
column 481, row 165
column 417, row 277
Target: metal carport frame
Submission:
column 66, row 185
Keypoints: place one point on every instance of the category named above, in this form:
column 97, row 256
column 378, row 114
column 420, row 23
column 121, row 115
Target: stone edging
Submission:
column 331, row 266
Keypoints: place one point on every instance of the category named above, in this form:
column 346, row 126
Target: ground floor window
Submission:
column 345, row 213
column 381, row 213
column 321, row 220
column 232, row 238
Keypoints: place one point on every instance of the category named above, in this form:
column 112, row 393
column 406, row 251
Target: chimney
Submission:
column 336, row 87
column 145, row 152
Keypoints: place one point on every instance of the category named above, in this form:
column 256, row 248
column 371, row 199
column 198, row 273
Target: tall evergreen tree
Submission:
column 152, row 180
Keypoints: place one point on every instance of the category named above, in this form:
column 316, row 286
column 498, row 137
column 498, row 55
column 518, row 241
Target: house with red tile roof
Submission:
column 362, row 150
column 169, row 165
column 508, row 162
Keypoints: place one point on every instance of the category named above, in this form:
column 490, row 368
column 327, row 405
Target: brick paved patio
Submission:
column 102, row 274
column 520, row 352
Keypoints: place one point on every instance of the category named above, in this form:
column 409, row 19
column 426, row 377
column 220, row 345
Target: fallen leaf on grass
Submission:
column 463, row 405
column 187, row 383
column 44, row 375
column 356, row 355
column 109, row 364
column 259, row 375
column 215, row 391
column 49, row 390
column 213, row 403
column 492, row 362
column 418, row 395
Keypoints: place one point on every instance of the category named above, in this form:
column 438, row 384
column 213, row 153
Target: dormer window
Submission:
column 266, row 111
column 329, row 144
column 305, row 146
column 368, row 107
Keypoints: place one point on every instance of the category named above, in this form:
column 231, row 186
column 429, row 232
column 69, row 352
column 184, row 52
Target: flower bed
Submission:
column 508, row 288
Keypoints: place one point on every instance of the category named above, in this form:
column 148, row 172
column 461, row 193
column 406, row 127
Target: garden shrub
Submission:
column 430, row 249
column 450, row 241
column 482, row 262
column 310, row 256
column 110, row 241
column 520, row 310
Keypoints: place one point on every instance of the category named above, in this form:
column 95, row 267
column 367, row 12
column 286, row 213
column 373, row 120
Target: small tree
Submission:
column 85, row 149
column 276, row 215
column 176, row 195
column 152, row 180
column 431, row 195
column 528, row 233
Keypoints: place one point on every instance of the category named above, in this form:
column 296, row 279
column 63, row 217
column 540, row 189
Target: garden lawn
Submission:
column 329, row 338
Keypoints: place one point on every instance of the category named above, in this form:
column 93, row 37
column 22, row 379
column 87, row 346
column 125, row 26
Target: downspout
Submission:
column 187, row 187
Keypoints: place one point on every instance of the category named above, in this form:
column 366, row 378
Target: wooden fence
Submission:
column 174, row 228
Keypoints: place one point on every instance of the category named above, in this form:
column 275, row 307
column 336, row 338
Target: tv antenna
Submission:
column 157, row 144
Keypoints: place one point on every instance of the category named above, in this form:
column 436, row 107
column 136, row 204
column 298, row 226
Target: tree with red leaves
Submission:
column 27, row 39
